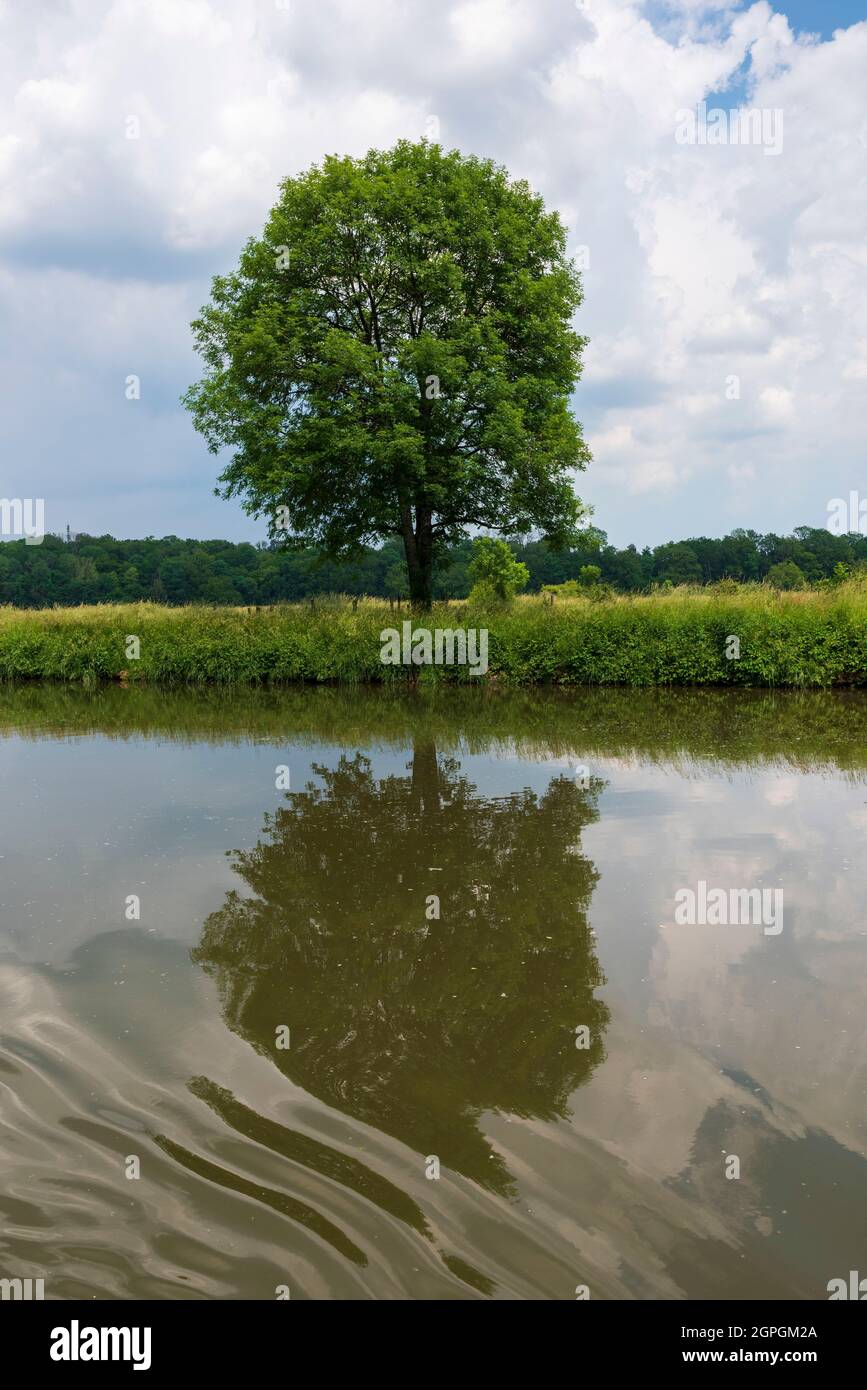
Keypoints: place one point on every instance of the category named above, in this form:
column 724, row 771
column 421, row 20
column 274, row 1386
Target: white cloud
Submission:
column 491, row 31
column 706, row 262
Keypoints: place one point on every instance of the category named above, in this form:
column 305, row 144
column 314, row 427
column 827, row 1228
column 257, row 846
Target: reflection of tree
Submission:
column 412, row 1025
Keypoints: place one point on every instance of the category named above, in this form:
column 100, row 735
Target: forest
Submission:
column 86, row 569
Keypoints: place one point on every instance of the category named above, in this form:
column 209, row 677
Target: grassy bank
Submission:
column 675, row 638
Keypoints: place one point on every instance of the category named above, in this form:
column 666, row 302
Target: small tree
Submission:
column 495, row 574
column 394, row 357
column 786, row 575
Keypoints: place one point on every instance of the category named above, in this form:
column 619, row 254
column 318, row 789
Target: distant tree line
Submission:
column 100, row 569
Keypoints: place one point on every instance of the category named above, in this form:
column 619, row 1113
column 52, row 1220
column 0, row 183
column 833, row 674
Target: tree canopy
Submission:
column 394, row 358
column 101, row 569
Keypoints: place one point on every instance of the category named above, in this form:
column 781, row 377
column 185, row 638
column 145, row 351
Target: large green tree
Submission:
column 394, row 357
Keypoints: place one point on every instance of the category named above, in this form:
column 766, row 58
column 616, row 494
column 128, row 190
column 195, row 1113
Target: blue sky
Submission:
column 806, row 16
column 822, row 16
column 726, row 290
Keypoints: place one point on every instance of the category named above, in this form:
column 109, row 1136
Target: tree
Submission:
column 677, row 562
column 495, row 574
column 786, row 575
column 394, row 357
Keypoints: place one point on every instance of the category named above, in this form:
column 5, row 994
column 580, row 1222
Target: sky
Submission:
column 142, row 142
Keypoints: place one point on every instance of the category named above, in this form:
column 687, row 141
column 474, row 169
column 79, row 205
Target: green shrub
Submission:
column 494, row 572
column 786, row 575
column 570, row 588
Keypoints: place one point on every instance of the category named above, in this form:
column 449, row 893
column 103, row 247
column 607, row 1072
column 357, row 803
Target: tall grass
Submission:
column 675, row 638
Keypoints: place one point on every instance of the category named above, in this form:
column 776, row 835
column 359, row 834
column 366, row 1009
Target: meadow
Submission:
column 745, row 635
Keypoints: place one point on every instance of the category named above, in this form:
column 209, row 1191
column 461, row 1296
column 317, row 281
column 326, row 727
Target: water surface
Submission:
column 292, row 1005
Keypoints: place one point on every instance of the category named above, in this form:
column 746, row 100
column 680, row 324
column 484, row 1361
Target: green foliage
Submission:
column 394, row 358
column 587, row 585
column 570, row 588
column 396, row 582
column 677, row 563
column 100, row 569
column 675, row 638
column 597, row 593
column 786, row 575
column 495, row 574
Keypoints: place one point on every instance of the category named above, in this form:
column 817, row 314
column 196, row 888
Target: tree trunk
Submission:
column 418, row 548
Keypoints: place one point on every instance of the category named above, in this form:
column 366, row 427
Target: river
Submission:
column 334, row 994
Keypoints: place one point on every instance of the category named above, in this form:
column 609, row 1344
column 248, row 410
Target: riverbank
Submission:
column 749, row 637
